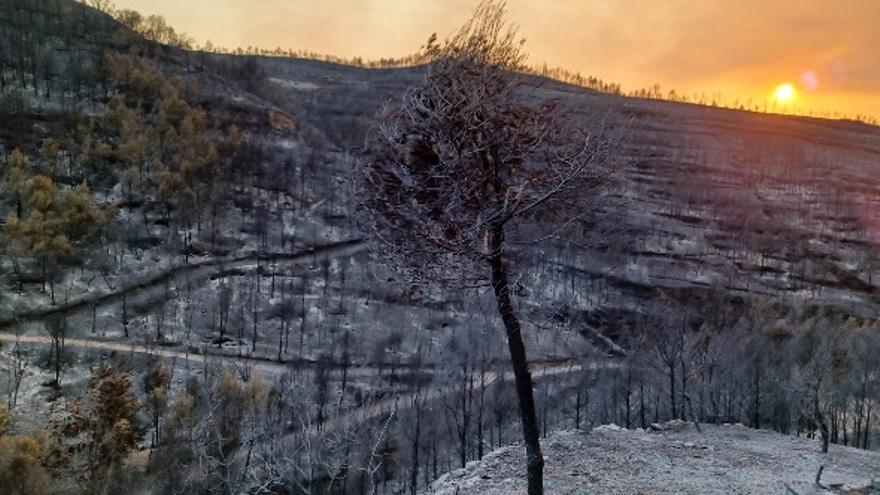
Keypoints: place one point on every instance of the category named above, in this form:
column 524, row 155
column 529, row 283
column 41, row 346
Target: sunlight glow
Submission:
column 785, row 93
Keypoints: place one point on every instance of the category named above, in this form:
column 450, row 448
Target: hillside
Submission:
column 714, row 205
column 717, row 210
column 712, row 199
column 677, row 460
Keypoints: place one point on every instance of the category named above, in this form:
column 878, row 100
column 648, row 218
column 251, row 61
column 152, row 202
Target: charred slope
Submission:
column 714, row 208
column 713, row 205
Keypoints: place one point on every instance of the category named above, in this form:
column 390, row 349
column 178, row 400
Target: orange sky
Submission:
column 741, row 48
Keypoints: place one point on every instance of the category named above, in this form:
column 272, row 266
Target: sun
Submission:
column 785, row 93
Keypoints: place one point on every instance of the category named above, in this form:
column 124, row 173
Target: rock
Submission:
column 656, row 427
column 439, row 482
column 610, row 427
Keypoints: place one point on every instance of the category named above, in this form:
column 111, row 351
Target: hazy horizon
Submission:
column 743, row 50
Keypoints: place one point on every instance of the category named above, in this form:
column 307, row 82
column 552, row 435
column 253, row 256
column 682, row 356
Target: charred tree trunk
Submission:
column 642, row 417
column 414, row 473
column 673, row 409
column 756, row 398
column 518, row 359
column 819, row 418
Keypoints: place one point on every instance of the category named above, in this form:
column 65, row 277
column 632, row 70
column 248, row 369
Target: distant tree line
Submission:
column 802, row 373
column 155, row 28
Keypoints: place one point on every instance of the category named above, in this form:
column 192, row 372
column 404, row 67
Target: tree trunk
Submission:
column 414, row 473
column 642, row 417
column 819, row 418
column 480, row 410
column 524, row 392
column 627, row 402
column 673, row 410
column 280, row 339
column 756, row 402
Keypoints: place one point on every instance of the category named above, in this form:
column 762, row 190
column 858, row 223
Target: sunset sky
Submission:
column 744, row 49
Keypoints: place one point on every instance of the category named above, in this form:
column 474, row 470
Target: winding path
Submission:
column 203, row 356
column 195, row 271
column 391, row 406
column 206, row 269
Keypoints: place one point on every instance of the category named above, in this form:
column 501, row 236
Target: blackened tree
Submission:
column 470, row 155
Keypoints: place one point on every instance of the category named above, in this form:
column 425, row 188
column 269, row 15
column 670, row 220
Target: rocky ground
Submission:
column 727, row 459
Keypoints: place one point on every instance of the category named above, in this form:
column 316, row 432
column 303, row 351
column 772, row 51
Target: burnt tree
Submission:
column 469, row 159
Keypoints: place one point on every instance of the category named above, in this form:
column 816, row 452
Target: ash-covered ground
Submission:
column 678, row 459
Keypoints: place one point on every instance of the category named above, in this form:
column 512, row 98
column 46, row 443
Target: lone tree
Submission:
column 471, row 154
